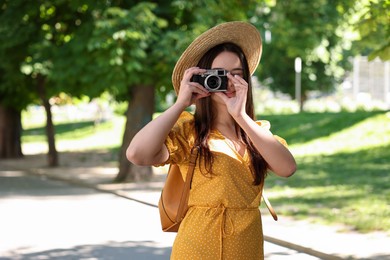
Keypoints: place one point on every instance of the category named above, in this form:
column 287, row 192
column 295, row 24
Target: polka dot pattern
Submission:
column 223, row 220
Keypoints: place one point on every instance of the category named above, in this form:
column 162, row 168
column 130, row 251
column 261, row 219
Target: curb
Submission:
column 303, row 249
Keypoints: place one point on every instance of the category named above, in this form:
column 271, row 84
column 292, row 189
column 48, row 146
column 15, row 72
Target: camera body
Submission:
column 214, row 80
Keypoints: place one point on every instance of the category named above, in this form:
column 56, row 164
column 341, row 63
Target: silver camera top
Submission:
column 217, row 72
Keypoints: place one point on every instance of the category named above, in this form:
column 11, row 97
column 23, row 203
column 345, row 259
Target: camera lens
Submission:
column 212, row 82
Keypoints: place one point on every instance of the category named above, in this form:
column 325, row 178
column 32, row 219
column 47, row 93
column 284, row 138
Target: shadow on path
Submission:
column 139, row 250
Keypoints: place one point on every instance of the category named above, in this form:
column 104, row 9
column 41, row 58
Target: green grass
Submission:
column 343, row 174
column 79, row 135
column 343, row 169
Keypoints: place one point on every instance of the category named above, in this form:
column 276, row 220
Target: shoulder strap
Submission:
column 269, row 206
column 187, row 185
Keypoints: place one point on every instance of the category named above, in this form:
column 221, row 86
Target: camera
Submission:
column 214, row 80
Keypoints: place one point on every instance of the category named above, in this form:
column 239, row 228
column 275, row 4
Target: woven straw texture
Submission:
column 242, row 34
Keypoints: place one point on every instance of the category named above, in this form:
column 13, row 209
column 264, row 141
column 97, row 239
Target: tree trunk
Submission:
column 10, row 133
column 52, row 155
column 139, row 113
column 302, row 103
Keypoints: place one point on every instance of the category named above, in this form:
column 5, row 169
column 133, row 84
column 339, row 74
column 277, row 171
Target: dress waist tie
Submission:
column 224, row 217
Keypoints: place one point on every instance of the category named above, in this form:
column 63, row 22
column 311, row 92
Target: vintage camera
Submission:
column 213, row 80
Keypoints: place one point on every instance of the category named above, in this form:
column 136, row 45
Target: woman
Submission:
column 223, row 220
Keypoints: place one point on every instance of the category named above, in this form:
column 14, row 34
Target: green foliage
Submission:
column 374, row 29
column 305, row 29
column 111, row 52
column 186, row 20
column 80, row 48
column 95, row 46
column 31, row 33
column 15, row 32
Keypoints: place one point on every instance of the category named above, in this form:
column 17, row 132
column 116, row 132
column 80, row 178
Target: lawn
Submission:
column 343, row 169
column 343, row 161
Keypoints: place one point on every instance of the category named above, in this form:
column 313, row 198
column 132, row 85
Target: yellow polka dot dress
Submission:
column 223, row 220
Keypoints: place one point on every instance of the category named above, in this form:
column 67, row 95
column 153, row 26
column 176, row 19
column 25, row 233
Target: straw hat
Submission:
column 243, row 34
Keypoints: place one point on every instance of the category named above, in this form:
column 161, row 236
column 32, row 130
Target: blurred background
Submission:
column 87, row 75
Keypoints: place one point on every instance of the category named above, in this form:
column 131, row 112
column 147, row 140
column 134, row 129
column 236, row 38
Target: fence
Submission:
column 369, row 81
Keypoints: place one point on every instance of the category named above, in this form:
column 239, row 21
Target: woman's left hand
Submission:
column 235, row 97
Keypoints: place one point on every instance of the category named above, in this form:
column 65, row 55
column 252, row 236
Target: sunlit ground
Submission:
column 343, row 174
column 343, row 163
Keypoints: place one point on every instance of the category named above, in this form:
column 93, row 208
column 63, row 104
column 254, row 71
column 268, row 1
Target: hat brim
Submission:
column 243, row 34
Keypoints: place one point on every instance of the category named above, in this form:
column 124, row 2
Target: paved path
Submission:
column 46, row 219
column 43, row 218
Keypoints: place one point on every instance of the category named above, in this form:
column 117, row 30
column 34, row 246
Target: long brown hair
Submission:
column 205, row 115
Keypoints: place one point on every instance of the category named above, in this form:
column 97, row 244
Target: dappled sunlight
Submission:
column 360, row 136
column 323, row 191
column 80, row 223
column 301, row 128
column 11, row 173
column 76, row 136
column 106, row 250
column 317, row 192
column 342, row 177
column 350, row 187
column 333, row 204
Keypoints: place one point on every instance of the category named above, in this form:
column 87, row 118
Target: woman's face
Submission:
column 228, row 61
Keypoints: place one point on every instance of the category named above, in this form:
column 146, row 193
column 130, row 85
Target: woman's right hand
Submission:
column 190, row 91
column 155, row 132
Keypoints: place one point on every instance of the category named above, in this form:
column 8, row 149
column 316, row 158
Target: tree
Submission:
column 374, row 29
column 10, row 133
column 306, row 29
column 112, row 52
column 129, row 48
column 177, row 27
column 14, row 86
column 30, row 34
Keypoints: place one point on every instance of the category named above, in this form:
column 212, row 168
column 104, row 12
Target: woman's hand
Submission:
column 235, row 97
column 155, row 132
column 191, row 91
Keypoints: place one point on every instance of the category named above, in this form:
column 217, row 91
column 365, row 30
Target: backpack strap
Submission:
column 183, row 206
column 269, row 206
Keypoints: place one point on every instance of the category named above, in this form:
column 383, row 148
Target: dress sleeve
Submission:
column 180, row 139
column 267, row 125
